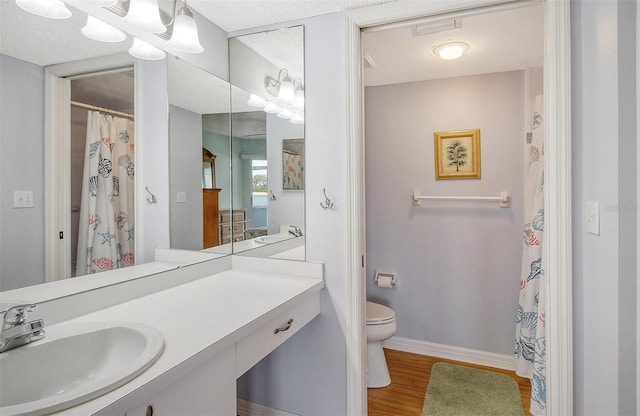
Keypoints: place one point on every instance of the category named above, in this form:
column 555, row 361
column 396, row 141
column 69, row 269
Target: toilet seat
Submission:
column 379, row 314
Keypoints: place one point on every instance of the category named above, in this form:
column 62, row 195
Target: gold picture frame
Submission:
column 457, row 154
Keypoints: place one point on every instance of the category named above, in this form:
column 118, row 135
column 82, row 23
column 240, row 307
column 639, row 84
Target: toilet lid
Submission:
column 379, row 314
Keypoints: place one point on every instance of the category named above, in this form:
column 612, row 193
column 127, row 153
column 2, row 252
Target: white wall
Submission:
column 21, row 169
column 458, row 261
column 603, row 122
column 307, row 374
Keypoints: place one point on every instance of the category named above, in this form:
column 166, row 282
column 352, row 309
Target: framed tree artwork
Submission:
column 457, row 154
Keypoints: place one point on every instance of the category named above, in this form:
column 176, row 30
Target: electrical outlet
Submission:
column 592, row 217
column 22, row 199
column 181, row 197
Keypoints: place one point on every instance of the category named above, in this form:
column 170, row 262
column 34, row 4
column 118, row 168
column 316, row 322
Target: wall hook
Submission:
column 153, row 199
column 272, row 197
column 327, row 204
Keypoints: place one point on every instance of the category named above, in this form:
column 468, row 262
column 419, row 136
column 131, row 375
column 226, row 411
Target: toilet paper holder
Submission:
column 386, row 279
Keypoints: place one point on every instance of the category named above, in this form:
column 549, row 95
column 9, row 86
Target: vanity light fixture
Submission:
column 451, row 50
column 145, row 14
column 255, row 101
column 282, row 87
column 143, row 50
column 102, row 3
column 286, row 114
column 98, row 30
column 272, row 108
column 298, row 94
column 185, row 32
column 52, row 9
column 297, row 120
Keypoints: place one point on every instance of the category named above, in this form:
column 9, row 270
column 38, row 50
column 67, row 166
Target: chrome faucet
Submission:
column 16, row 331
column 296, row 232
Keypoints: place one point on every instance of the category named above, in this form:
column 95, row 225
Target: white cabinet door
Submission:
column 209, row 390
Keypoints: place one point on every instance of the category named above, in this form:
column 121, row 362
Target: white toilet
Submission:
column 381, row 325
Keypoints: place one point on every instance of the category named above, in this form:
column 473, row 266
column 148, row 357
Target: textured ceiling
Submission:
column 503, row 40
column 235, row 15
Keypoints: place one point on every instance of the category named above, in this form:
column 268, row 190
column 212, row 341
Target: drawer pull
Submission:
column 284, row 328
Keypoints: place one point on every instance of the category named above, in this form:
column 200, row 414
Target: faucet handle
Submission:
column 18, row 314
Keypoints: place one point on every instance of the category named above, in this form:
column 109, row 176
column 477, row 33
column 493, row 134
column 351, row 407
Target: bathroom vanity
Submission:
column 215, row 326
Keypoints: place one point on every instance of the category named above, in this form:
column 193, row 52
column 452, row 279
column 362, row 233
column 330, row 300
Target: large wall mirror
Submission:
column 199, row 157
column 215, row 133
column 267, row 118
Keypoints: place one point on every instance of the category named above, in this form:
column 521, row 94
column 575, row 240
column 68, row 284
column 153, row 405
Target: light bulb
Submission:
column 98, row 30
column 185, row 33
column 145, row 14
column 286, row 90
column 52, row 9
column 143, row 50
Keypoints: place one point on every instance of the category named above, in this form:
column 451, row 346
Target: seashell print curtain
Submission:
column 106, row 237
column 530, row 343
column 292, row 170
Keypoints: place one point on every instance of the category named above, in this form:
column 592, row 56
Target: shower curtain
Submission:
column 106, row 238
column 530, row 343
column 292, row 170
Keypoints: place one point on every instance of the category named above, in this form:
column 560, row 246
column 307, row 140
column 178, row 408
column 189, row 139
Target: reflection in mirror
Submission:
column 200, row 157
column 29, row 45
column 267, row 110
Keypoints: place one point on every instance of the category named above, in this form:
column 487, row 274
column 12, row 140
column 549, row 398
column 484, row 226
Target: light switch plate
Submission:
column 592, row 217
column 181, row 197
column 22, row 199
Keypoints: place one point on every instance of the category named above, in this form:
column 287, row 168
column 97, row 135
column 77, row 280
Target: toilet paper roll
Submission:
column 386, row 281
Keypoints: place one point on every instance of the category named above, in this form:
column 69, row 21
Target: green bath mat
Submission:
column 455, row 390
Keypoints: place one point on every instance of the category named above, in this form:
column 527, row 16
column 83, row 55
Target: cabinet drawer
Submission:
column 257, row 345
column 238, row 216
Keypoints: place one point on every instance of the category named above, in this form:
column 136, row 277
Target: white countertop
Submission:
column 199, row 319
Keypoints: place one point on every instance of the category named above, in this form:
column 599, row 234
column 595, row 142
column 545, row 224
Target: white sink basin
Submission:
column 273, row 238
column 73, row 364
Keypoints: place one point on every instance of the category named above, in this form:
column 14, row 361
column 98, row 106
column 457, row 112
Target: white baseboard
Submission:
column 247, row 408
column 449, row 352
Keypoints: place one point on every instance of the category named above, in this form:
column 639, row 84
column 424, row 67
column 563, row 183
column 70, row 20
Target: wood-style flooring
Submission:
column 409, row 379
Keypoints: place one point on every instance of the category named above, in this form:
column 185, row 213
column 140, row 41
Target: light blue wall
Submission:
column 604, row 116
column 307, row 375
column 185, row 161
column 21, row 169
column 458, row 262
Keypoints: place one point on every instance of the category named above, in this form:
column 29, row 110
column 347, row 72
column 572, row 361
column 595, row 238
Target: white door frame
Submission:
column 557, row 250
column 57, row 159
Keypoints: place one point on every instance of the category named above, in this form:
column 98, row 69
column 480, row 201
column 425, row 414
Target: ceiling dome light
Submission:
column 451, row 50
column 185, row 33
column 272, row 108
column 255, row 101
column 52, row 9
column 145, row 14
column 143, row 50
column 98, row 30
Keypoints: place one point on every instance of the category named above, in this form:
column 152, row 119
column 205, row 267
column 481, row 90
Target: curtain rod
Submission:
column 101, row 109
